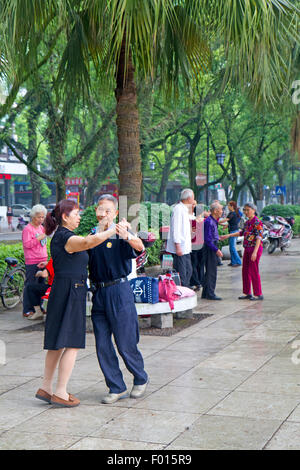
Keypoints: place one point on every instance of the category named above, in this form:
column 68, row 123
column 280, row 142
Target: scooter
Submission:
column 280, row 235
column 265, row 240
column 23, row 221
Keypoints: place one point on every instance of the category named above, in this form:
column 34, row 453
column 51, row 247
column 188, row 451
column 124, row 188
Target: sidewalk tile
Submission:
column 226, row 433
column 253, row 404
column 156, row 427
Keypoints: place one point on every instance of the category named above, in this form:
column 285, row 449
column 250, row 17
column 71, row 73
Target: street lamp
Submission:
column 220, row 158
column 207, row 168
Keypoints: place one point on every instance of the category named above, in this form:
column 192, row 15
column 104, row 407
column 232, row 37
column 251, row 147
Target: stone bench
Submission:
column 158, row 315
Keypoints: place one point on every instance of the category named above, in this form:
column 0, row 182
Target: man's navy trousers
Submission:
column 114, row 313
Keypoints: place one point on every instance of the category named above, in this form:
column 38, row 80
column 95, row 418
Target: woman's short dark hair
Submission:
column 54, row 218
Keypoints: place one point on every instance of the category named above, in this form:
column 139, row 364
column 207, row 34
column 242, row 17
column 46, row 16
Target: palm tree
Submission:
column 169, row 39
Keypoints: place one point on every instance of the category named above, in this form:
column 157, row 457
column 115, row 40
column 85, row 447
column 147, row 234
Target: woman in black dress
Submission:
column 66, row 310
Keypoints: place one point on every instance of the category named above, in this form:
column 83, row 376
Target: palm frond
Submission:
column 258, row 37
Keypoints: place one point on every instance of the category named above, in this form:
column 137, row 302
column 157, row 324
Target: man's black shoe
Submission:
column 246, row 297
column 260, row 297
column 214, row 298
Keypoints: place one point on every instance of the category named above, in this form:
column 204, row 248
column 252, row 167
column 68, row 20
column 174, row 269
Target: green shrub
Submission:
column 296, row 226
column 223, row 231
column 153, row 253
column 295, row 208
column 88, row 221
column 278, row 209
column 16, row 251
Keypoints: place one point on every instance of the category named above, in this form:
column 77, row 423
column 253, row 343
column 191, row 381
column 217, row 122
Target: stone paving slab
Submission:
column 226, row 433
column 231, row 381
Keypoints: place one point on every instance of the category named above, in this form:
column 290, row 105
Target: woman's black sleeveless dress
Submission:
column 65, row 325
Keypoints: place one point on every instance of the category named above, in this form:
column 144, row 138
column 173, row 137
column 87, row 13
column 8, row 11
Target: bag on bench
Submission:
column 168, row 290
column 145, row 289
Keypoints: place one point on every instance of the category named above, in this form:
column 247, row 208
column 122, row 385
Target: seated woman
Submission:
column 35, row 291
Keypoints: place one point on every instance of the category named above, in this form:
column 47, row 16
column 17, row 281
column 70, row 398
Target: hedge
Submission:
column 16, row 251
column 288, row 210
column 296, row 226
column 294, row 208
column 88, row 221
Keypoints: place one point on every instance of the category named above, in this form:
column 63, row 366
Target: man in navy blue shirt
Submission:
column 211, row 252
column 114, row 312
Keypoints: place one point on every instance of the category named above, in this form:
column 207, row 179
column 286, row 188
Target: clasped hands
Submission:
column 122, row 229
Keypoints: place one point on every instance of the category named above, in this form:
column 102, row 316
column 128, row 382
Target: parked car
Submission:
column 20, row 209
column 50, row 207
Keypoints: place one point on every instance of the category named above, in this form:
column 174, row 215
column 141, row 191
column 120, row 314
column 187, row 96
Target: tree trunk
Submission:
column 90, row 191
column 32, row 121
column 35, row 182
column 130, row 175
column 252, row 191
column 192, row 170
column 60, row 188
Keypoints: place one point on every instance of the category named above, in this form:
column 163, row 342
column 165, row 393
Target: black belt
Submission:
column 70, row 276
column 109, row 283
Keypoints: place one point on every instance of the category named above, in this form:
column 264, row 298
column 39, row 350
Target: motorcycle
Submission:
column 23, row 221
column 280, row 234
column 265, row 240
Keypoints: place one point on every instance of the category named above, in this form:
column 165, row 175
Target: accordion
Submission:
column 145, row 289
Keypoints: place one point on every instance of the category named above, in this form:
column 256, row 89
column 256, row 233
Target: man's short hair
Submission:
column 214, row 206
column 186, row 194
column 108, row 197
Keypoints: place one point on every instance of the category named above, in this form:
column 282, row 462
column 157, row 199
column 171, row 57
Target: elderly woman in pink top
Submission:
column 35, row 250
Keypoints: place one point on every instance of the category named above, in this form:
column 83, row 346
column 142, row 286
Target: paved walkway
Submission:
column 230, row 382
column 6, row 233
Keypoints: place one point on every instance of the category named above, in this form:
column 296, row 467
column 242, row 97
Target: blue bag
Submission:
column 145, row 289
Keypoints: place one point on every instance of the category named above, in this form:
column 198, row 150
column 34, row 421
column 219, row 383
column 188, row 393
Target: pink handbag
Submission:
column 168, row 290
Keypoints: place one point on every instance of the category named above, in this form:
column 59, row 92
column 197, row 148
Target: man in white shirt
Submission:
column 179, row 243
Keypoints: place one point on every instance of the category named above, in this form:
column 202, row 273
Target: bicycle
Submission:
column 12, row 283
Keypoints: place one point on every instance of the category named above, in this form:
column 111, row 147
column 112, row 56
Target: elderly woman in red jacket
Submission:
column 253, row 234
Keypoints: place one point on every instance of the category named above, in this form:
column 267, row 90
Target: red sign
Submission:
column 74, row 181
column 5, row 177
column 73, row 196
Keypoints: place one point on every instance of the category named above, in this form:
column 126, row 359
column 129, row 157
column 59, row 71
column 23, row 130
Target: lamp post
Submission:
column 207, row 170
column 220, row 158
column 293, row 174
